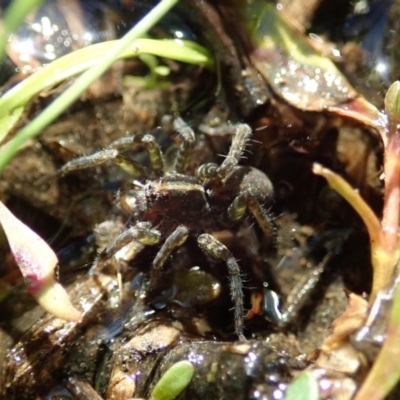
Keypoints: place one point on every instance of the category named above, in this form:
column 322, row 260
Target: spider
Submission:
column 170, row 206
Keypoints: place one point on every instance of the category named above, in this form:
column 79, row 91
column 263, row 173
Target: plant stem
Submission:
column 385, row 372
column 351, row 195
column 383, row 261
column 390, row 220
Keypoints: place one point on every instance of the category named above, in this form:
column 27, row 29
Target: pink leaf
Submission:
column 38, row 263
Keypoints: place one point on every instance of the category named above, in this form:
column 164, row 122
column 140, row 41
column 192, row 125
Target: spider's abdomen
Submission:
column 180, row 199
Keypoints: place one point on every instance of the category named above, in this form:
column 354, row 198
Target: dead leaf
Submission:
column 351, row 320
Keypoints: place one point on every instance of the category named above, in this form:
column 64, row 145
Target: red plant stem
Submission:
column 391, row 212
column 385, row 254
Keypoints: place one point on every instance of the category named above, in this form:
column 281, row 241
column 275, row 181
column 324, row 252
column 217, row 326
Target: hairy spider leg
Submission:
column 215, row 249
column 142, row 232
column 153, row 150
column 246, row 201
column 185, row 149
column 174, row 240
column 239, row 141
column 211, row 171
column 101, row 157
column 112, row 153
column 155, row 155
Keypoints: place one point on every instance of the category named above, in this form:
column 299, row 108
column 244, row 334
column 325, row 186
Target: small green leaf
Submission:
column 392, row 106
column 174, row 381
column 305, row 387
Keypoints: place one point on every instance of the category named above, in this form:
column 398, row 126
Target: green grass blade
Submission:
column 80, row 60
column 8, row 122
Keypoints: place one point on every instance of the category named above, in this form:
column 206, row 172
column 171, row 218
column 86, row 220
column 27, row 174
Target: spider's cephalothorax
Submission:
column 168, row 207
